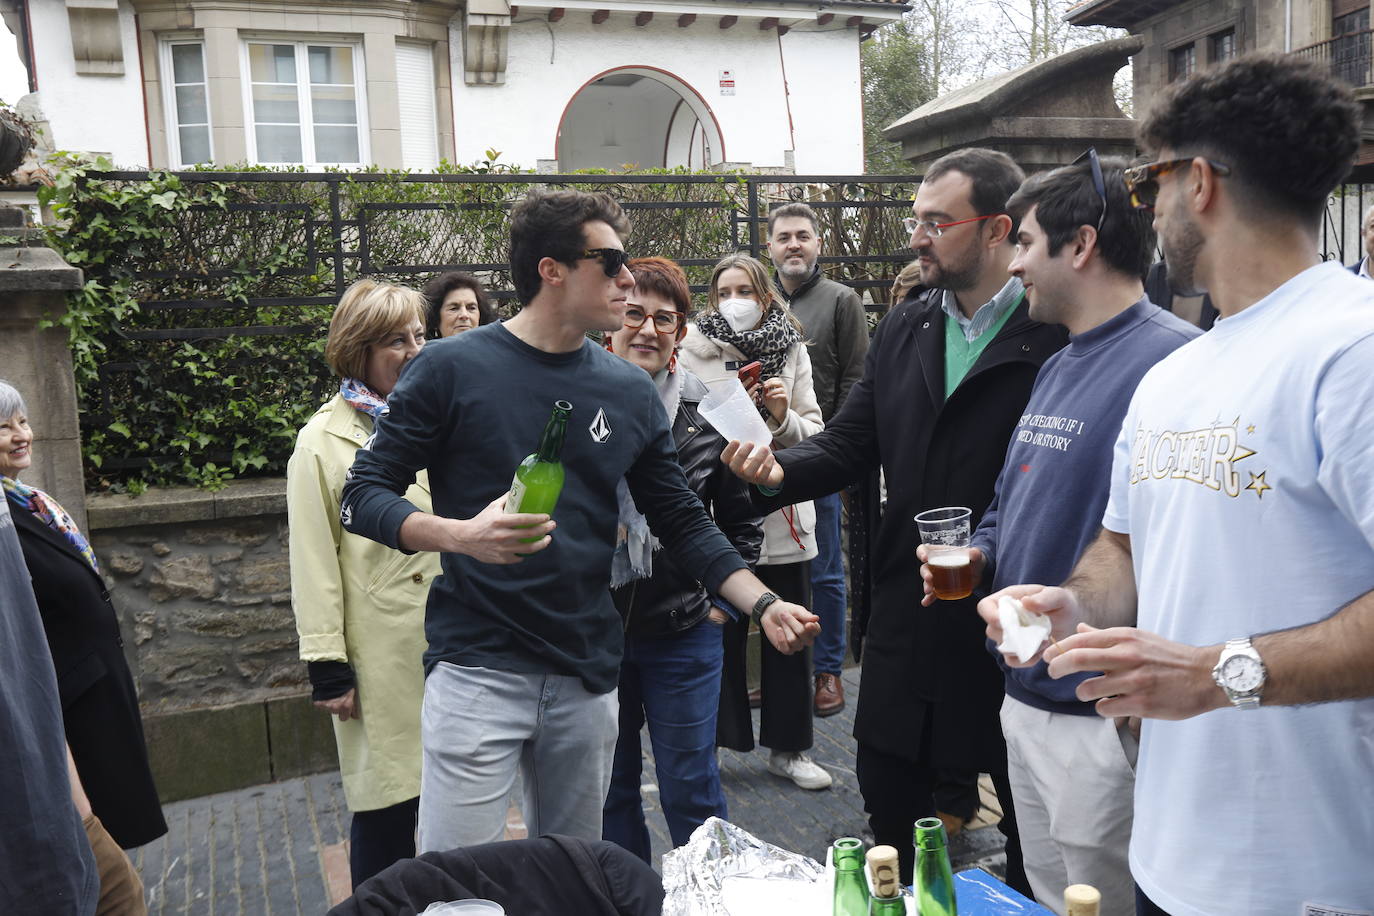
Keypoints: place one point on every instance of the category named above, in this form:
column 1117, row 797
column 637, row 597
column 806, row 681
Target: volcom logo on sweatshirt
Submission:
column 601, row 427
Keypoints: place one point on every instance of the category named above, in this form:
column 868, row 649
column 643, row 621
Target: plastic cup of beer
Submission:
column 946, row 532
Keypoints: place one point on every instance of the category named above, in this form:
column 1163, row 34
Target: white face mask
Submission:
column 742, row 314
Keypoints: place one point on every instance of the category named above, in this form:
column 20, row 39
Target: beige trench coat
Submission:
column 358, row 601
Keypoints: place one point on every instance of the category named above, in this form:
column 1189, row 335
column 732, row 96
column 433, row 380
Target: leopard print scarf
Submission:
column 769, row 343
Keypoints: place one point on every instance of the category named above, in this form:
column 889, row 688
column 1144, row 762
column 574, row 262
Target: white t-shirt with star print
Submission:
column 1244, row 475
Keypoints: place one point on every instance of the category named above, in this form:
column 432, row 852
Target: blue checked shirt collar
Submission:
column 988, row 314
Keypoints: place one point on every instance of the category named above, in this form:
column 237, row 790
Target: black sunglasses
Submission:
column 612, row 259
column 1099, row 185
column 1143, row 180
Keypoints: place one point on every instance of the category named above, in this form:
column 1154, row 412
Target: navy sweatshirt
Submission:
column 1054, row 484
column 470, row 408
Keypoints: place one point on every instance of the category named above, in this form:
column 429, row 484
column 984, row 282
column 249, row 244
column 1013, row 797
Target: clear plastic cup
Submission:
column 945, row 533
column 734, row 414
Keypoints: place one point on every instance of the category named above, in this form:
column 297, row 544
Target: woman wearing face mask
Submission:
column 360, row 606
column 456, row 303
column 745, row 324
column 670, row 676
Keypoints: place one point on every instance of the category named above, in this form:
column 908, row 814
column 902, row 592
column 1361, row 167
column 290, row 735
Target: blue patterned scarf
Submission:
column 50, row 512
column 363, row 398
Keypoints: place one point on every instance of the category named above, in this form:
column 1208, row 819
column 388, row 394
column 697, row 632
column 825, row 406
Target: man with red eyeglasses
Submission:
column 945, row 381
column 1229, row 598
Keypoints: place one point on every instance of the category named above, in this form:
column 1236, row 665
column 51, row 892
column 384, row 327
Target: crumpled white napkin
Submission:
column 1023, row 633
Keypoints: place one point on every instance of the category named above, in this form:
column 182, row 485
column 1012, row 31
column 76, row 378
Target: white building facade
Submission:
column 768, row 86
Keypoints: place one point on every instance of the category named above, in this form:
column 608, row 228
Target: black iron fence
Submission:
column 1342, row 238
column 233, row 296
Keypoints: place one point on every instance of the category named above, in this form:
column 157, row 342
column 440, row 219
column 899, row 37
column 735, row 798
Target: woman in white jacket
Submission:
column 746, row 323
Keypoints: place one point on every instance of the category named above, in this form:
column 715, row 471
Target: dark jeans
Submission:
column 828, row 587
column 381, row 837
column 673, row 683
column 898, row 791
column 1144, row 906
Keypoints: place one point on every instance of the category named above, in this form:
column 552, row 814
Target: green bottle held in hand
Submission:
column 538, row 480
column 934, row 885
column 851, row 887
column 884, row 876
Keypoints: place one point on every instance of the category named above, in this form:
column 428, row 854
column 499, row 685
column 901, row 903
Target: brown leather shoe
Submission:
column 755, row 698
column 829, row 694
column 954, row 824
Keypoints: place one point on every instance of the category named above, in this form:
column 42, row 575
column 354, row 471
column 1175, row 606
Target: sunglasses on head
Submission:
column 1143, row 180
column 612, row 259
column 1099, row 185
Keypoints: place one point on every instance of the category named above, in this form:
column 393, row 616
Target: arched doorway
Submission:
column 641, row 116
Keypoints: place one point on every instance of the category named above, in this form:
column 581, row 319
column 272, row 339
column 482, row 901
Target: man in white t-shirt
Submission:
column 1239, row 535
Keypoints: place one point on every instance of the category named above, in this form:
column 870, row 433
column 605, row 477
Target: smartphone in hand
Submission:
column 750, row 374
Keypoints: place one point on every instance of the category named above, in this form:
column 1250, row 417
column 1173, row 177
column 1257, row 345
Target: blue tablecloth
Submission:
column 980, row 894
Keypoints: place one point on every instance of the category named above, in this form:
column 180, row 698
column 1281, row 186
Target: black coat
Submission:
column 553, row 875
column 924, row 667
column 671, row 601
column 99, row 705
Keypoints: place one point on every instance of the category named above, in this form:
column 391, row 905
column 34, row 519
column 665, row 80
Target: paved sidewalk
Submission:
column 277, row 849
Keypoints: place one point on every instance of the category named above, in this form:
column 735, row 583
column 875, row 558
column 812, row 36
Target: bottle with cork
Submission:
column 883, row 877
column 1081, row 900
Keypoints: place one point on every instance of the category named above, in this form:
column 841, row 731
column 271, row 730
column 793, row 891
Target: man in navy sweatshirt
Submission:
column 524, row 641
column 1081, row 253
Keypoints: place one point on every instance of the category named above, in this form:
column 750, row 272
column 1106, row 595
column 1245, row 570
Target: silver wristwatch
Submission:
column 1241, row 673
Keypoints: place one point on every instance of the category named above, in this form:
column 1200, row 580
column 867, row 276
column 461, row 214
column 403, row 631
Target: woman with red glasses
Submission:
column 670, row 676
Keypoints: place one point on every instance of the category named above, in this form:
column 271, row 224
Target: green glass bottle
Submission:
column 884, row 877
column 934, row 885
column 851, row 887
column 538, row 480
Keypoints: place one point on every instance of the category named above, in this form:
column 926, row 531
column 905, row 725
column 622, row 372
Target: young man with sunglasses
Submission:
column 524, row 641
column 946, row 378
column 1236, row 564
column 1081, row 251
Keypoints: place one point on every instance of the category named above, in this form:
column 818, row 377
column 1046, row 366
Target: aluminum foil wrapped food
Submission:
column 723, row 868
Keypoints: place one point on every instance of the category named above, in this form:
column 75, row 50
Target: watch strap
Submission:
column 761, row 605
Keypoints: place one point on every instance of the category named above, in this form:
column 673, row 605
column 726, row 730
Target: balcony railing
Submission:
column 1348, row 57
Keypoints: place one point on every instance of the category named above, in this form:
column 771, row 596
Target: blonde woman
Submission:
column 746, row 323
column 359, row 605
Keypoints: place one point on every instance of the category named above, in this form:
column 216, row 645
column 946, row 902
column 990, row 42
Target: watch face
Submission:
column 1242, row 673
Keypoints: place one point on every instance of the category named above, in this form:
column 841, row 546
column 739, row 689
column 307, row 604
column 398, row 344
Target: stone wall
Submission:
column 203, row 589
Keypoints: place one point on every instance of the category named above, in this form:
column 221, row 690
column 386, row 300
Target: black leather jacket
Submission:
column 670, row 601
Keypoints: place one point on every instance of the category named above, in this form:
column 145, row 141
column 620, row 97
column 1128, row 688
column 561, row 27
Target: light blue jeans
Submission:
column 479, row 726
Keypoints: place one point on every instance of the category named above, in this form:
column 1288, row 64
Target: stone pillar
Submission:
column 33, row 286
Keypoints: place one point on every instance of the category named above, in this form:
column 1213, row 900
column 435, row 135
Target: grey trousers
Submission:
column 480, row 726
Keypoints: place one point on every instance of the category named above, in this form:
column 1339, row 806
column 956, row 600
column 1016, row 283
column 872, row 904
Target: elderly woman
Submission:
column 746, row 323
column 99, row 705
column 456, row 303
column 359, row 605
column 670, row 676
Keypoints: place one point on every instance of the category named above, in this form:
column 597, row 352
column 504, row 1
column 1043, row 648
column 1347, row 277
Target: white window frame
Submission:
column 169, row 101
column 307, row 115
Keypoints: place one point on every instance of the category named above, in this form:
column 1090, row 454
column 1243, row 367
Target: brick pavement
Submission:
column 277, row 849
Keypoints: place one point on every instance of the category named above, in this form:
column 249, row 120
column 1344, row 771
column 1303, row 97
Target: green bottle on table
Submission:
column 851, row 887
column 538, row 480
column 934, row 885
column 884, row 876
